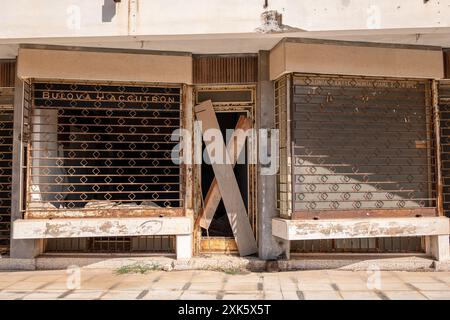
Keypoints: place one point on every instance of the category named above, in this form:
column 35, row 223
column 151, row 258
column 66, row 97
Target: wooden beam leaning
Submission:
column 234, row 148
column 227, row 184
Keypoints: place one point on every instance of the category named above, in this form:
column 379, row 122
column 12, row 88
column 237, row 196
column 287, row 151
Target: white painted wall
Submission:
column 81, row 18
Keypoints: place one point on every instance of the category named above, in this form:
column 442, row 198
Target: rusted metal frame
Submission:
column 290, row 143
column 249, row 108
column 437, row 136
column 227, row 88
column 108, row 213
column 298, row 75
column 28, row 167
column 430, row 145
column 110, row 83
column 370, row 213
column 281, row 123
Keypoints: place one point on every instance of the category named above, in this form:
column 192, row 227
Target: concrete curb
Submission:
column 232, row 264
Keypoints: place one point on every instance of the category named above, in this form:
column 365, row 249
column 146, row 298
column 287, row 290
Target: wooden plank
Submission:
column 234, row 148
column 371, row 213
column 228, row 187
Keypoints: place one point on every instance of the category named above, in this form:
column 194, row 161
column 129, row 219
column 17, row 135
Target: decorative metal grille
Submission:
column 444, row 108
column 6, row 145
column 362, row 145
column 360, row 245
column 102, row 148
column 153, row 244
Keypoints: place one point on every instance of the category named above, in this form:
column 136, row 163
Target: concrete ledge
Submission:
column 359, row 228
column 234, row 264
column 100, row 227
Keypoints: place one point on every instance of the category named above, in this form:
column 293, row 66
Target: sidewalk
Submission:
column 192, row 284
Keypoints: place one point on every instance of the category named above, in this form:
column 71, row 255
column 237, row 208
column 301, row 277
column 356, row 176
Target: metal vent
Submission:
column 7, row 73
column 225, row 69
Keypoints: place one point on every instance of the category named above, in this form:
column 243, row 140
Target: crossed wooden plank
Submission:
column 226, row 184
column 234, row 148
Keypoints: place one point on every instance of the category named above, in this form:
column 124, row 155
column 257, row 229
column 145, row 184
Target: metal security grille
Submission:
column 362, row 147
column 6, row 134
column 149, row 244
column 103, row 149
column 444, row 108
column 282, row 123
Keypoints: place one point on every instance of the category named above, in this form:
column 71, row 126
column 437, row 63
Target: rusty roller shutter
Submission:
column 361, row 147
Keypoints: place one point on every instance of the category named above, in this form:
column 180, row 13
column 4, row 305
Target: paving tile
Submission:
column 290, row 295
column 304, row 286
column 26, row 285
column 352, row 286
column 168, row 285
column 162, row 295
column 59, row 285
column 46, row 278
column 133, row 285
column 198, row 295
column 120, row 295
column 43, row 295
column 12, row 295
column 236, row 295
column 273, row 295
column 437, row 295
column 6, row 284
column 403, row 295
column 83, row 295
column 322, row 295
column 393, row 286
column 359, row 295
column 241, row 286
column 416, row 276
column 205, row 286
column 431, row 286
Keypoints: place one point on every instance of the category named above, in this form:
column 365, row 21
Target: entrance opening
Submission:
column 220, row 226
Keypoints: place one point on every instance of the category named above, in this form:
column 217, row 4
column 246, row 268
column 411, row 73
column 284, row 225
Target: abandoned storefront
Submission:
column 361, row 129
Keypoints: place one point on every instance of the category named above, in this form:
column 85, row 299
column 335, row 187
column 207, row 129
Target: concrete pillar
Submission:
column 20, row 248
column 184, row 246
column 438, row 247
column 269, row 247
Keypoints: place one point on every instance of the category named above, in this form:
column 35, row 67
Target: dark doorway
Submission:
column 220, row 226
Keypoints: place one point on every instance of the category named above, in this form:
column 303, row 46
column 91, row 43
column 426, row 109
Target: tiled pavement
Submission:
column 204, row 285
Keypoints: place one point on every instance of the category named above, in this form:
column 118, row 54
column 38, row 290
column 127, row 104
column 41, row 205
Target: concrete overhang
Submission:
column 234, row 42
